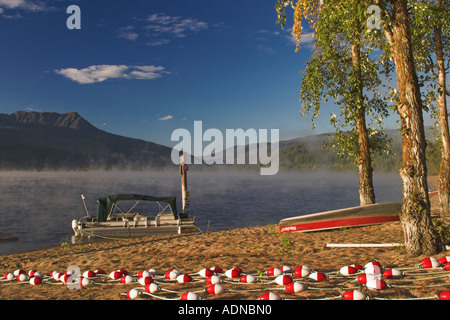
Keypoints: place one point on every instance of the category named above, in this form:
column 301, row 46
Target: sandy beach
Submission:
column 254, row 250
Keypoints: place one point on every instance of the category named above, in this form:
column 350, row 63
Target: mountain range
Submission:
column 54, row 141
column 48, row 140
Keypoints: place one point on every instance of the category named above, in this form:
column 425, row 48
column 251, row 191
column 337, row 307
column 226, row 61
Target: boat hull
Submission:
column 349, row 217
column 129, row 232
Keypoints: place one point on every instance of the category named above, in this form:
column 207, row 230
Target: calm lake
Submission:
column 38, row 207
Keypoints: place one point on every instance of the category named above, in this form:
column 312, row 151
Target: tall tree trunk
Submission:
column 419, row 232
column 444, row 174
column 366, row 191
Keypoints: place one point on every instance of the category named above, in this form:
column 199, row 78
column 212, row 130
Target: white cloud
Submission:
column 307, row 38
column 28, row 5
column 128, row 33
column 168, row 117
column 160, row 23
column 100, row 73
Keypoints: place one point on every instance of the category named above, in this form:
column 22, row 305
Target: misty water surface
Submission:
column 38, row 207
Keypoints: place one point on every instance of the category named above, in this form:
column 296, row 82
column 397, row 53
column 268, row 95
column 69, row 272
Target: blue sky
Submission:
column 143, row 68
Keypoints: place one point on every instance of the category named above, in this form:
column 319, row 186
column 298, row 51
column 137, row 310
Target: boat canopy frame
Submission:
column 106, row 205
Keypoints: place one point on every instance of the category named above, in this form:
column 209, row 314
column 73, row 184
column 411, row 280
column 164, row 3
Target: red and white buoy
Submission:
column 269, row 296
column 357, row 266
column 286, row 269
column 444, row 260
column 430, row 263
column 19, row 272
column 99, row 271
column 127, row 279
column 283, row 280
column 295, row 287
column 247, row 278
column 143, row 274
column 317, row 276
column 145, row 280
column 215, row 289
column 354, row 295
column 233, row 273
column 22, row 277
column 213, row 279
column 83, row 281
column 392, row 274
column 363, row 278
column 302, row 271
column 206, row 273
column 9, row 276
column 55, row 275
column 152, row 272
column 216, row 270
column 445, row 295
column 152, row 288
column 373, row 267
column 35, row 280
column 115, row 275
column 447, row 266
column 172, row 274
column 274, row 272
column 133, row 294
column 189, row 296
column 347, row 270
column 89, row 274
column 183, row 278
column 375, row 284
column 33, row 273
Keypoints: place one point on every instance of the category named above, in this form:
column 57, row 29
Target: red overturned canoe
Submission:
column 350, row 217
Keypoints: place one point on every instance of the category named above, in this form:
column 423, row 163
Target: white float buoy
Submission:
column 274, row 272
column 283, row 280
column 430, row 263
column 354, row 295
column 189, row 296
column 269, row 296
column 215, row 289
column 35, row 280
column 83, row 281
column 183, row 278
column 22, row 277
column 347, row 270
column 206, row 273
column 375, row 284
column 172, row 274
column 19, row 272
column 295, row 287
column 392, row 274
column 302, row 271
column 213, row 280
column 232, row 273
column 126, row 279
column 133, row 294
column 152, row 288
column 9, row 276
column 317, row 276
column 247, row 278
column 145, row 280
column 89, row 274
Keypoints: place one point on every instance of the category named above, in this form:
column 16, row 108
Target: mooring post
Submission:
column 184, row 192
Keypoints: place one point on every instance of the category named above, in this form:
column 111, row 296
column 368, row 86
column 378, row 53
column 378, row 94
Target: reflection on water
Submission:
column 38, row 207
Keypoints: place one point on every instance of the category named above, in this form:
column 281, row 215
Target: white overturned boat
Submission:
column 113, row 221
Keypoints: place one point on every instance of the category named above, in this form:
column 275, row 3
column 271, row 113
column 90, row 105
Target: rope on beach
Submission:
column 303, row 283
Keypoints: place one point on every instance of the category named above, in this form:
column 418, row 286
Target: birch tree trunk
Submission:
column 366, row 190
column 444, row 174
column 419, row 232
